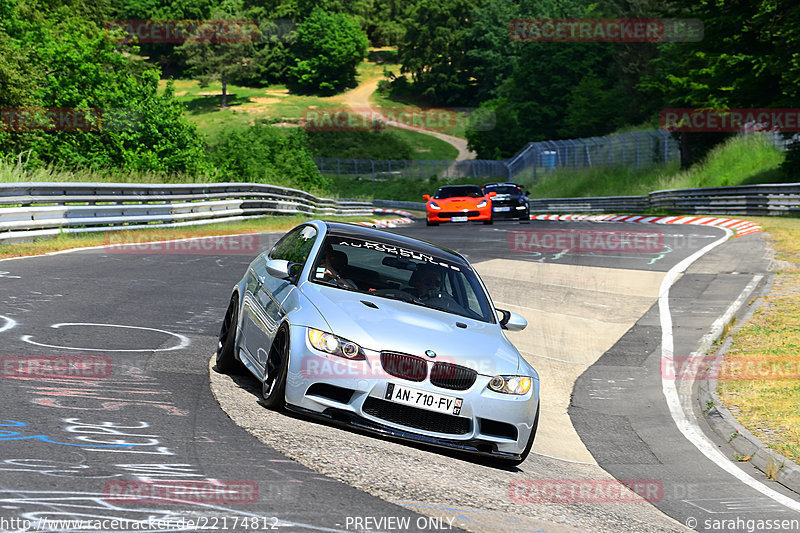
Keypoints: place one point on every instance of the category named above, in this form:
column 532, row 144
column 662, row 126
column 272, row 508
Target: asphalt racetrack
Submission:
column 88, row 447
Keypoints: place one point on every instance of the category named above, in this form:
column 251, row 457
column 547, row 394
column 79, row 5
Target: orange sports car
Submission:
column 459, row 203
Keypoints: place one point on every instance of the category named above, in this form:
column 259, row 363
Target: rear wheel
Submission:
column 226, row 358
column 273, row 386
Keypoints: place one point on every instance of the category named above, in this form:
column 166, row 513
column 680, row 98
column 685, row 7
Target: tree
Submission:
column 592, row 109
column 221, row 49
column 490, row 52
column 83, row 72
column 328, row 49
column 434, row 50
column 746, row 59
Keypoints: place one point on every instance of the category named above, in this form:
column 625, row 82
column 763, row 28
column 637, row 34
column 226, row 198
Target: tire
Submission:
column 273, row 386
column 526, row 216
column 527, row 450
column 490, row 221
column 429, row 223
column 225, row 356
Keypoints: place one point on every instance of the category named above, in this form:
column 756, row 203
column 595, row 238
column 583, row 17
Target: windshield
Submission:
column 503, row 189
column 455, row 192
column 389, row 271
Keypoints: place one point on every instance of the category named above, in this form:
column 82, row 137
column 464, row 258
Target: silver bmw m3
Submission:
column 386, row 333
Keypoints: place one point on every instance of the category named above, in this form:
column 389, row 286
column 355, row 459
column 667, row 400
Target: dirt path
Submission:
column 358, row 99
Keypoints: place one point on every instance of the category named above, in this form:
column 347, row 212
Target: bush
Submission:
column 267, row 154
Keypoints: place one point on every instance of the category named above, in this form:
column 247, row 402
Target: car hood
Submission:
column 407, row 328
column 458, row 203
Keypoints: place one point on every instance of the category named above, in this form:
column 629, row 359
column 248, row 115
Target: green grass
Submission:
column 426, row 147
column 247, row 105
column 738, row 161
column 12, row 171
column 760, row 382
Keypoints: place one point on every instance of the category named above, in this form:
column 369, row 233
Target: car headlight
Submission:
column 434, row 206
column 482, row 203
column 510, row 384
column 330, row 343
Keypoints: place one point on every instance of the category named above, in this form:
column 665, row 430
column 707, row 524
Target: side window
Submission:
column 295, row 246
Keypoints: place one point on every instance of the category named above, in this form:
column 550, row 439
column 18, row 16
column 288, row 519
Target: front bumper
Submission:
column 353, row 392
column 503, row 210
column 469, row 215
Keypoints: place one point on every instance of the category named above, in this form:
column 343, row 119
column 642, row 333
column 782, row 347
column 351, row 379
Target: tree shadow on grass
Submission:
column 382, row 56
column 774, row 175
column 210, row 103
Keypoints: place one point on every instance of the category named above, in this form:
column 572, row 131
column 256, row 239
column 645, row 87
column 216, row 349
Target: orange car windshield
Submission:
column 458, row 192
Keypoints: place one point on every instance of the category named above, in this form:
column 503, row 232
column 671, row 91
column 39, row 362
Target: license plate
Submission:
column 459, row 219
column 501, row 209
column 423, row 399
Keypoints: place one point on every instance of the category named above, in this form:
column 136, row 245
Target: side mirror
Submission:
column 492, row 194
column 278, row 268
column 426, row 197
column 511, row 321
column 527, row 193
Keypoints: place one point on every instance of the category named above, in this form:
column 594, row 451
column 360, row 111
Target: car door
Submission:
column 266, row 311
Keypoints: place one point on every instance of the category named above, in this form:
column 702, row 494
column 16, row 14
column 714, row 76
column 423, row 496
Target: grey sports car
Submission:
column 386, row 333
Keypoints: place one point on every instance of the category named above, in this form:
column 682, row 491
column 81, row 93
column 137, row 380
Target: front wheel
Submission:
column 490, row 221
column 273, row 386
column 225, row 357
column 429, row 223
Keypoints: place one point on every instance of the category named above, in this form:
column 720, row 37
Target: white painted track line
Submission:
column 688, row 425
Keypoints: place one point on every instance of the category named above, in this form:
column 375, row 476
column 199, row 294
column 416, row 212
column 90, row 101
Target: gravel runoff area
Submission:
column 429, row 481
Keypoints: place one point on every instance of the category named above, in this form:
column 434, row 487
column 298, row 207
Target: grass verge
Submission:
column 410, row 189
column 738, row 161
column 762, row 375
column 67, row 241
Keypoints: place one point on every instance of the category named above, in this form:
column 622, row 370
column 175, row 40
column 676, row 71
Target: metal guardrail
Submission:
column 30, row 210
column 590, row 205
column 778, row 199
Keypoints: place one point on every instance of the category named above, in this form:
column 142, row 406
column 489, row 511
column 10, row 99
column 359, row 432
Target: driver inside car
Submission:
column 426, row 281
column 334, row 263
